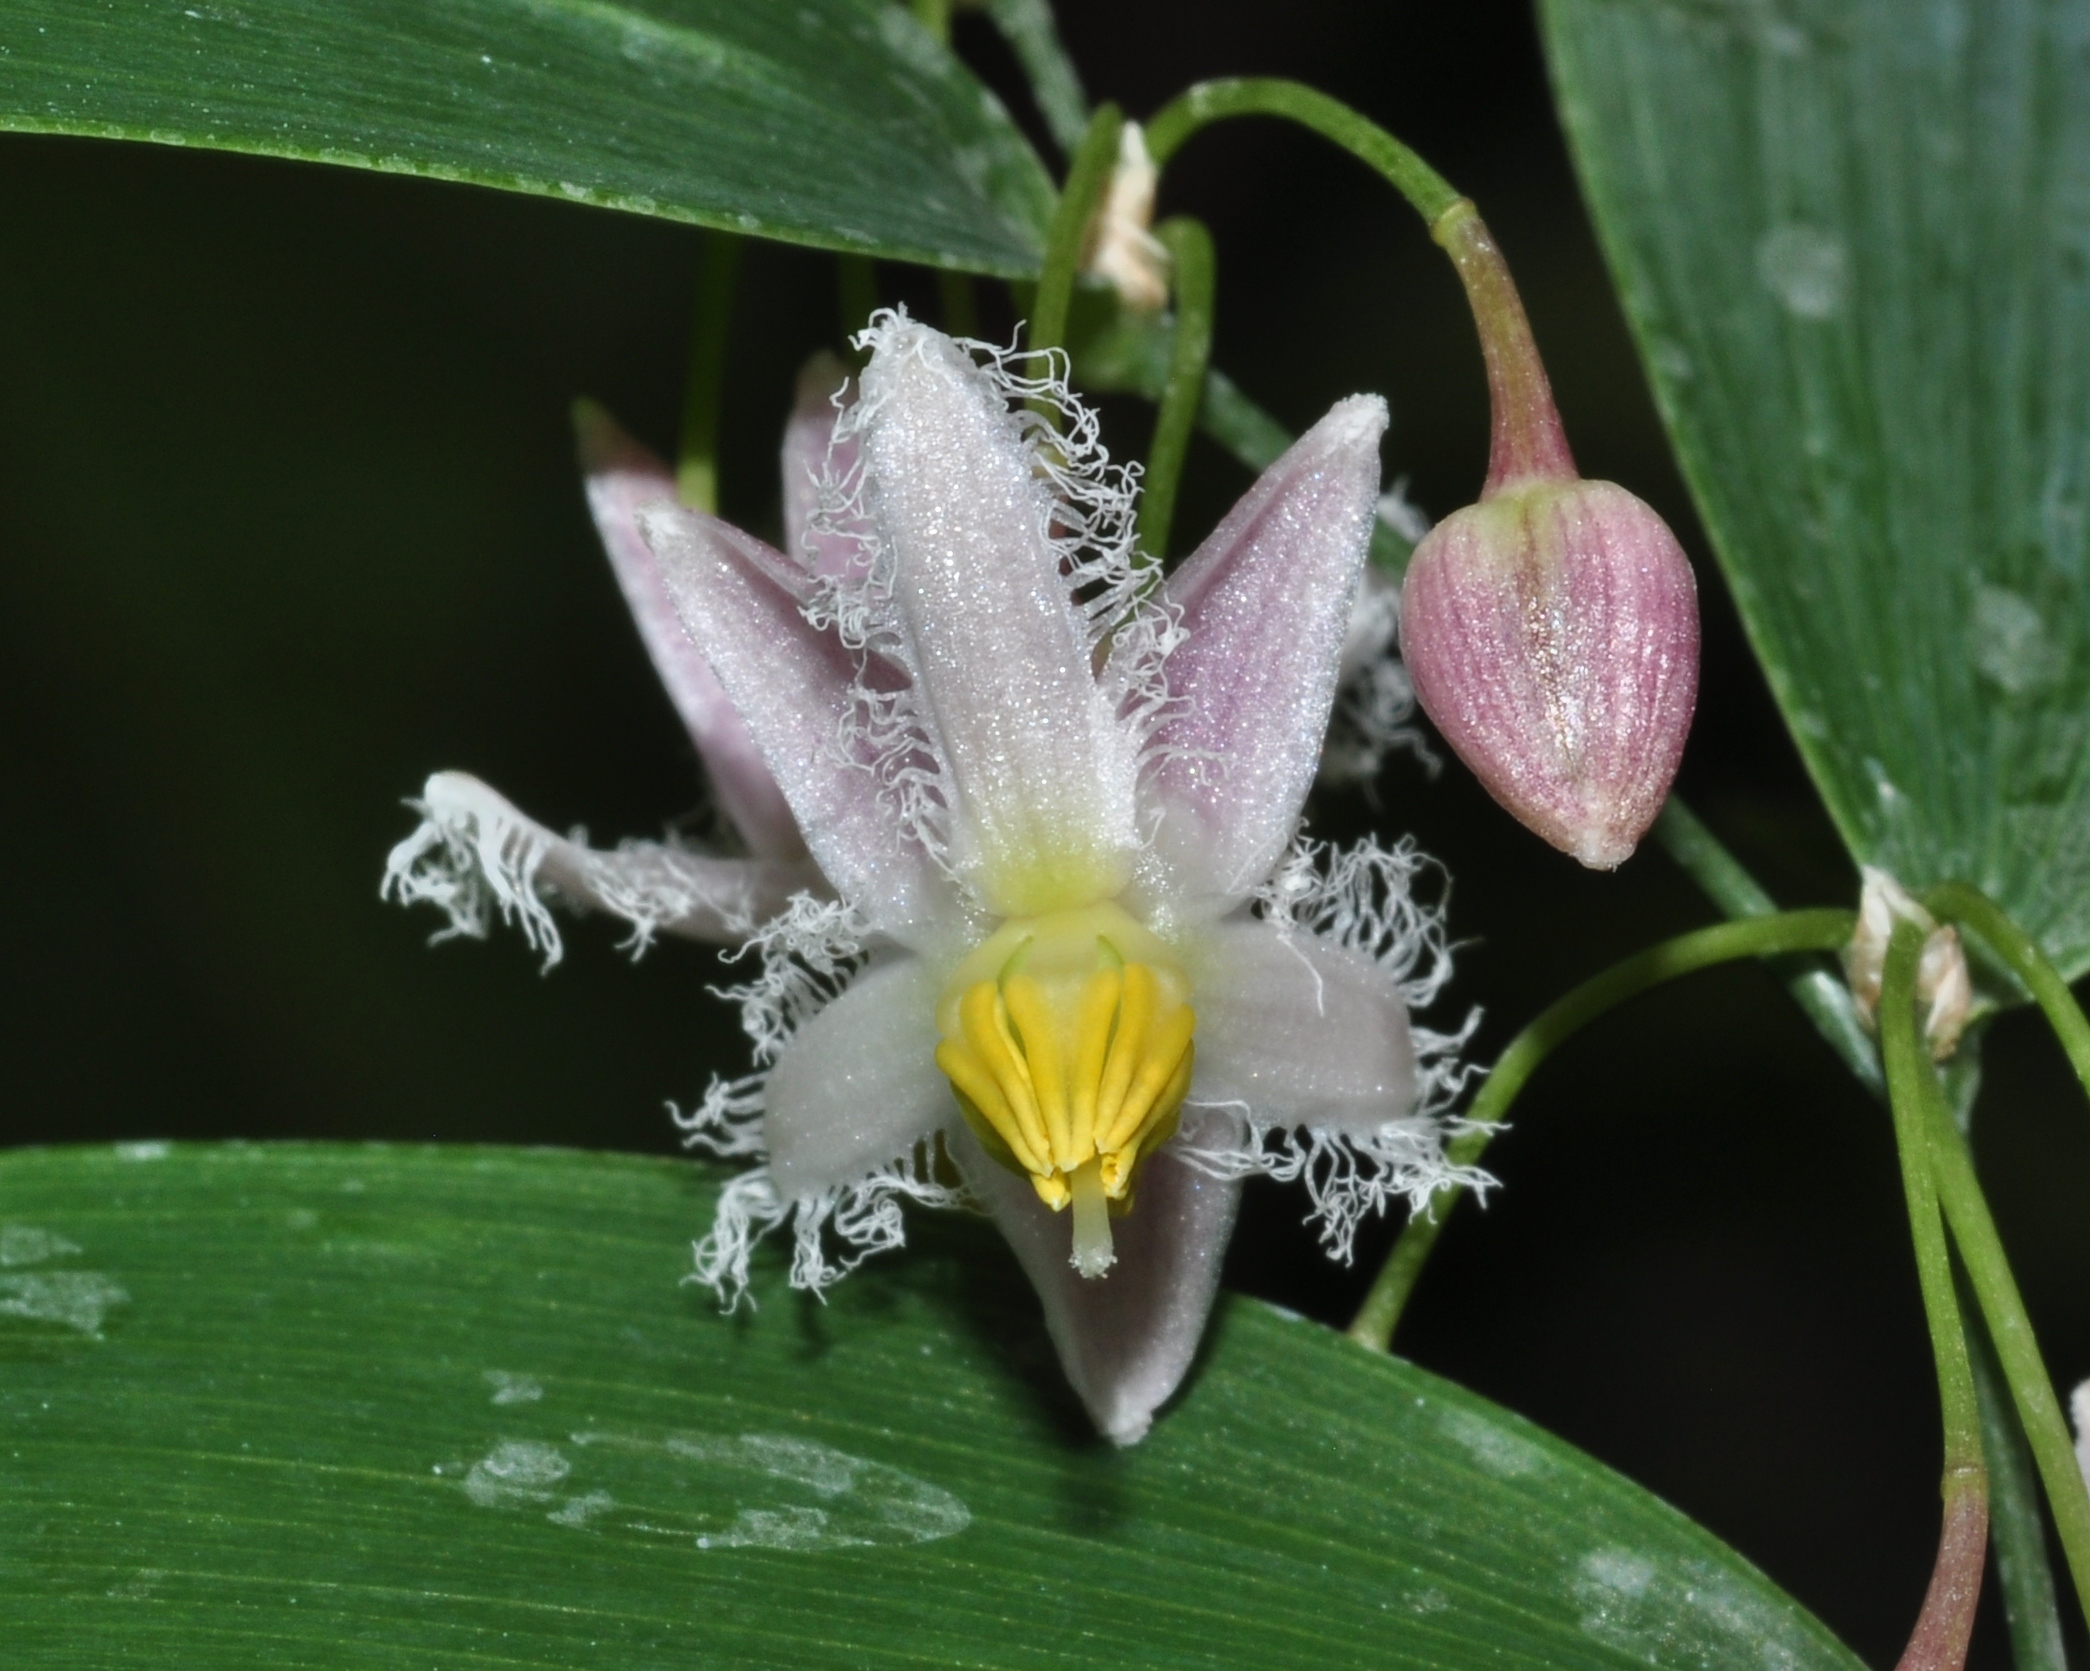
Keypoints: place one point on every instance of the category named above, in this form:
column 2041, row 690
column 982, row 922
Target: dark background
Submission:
column 288, row 519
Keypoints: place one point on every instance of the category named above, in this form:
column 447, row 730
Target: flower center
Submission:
column 1067, row 1039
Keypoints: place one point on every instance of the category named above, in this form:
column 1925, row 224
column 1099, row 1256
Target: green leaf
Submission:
column 839, row 123
column 276, row 1406
column 1853, row 238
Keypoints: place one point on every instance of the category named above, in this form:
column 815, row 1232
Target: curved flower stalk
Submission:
column 1070, row 961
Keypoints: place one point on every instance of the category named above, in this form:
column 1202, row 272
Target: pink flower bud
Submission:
column 1551, row 630
column 1552, row 635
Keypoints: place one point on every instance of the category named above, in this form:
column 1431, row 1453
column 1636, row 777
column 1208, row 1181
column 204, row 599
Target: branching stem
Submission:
column 1967, row 905
column 1790, row 931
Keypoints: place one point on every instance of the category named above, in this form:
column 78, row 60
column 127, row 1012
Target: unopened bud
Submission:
column 1123, row 250
column 1943, row 981
column 1552, row 629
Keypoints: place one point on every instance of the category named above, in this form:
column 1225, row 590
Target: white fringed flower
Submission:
column 1063, row 955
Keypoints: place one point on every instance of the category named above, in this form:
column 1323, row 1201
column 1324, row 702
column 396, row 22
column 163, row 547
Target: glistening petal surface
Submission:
column 1040, row 776
column 1127, row 1338
column 623, row 476
column 1266, row 604
column 1295, row 1030
column 739, row 601
column 857, row 1086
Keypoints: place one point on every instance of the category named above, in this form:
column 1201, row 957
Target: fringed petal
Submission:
column 1309, row 1064
column 1127, row 1338
column 1264, row 604
column 811, row 455
column 475, row 856
column 981, row 541
column 857, row 1084
column 622, row 476
column 796, row 687
column 1298, row 1031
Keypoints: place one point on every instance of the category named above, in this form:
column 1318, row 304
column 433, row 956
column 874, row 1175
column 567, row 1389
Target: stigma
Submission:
column 1067, row 1040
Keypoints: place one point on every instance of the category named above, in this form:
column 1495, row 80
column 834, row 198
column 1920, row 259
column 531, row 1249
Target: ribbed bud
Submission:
column 1551, row 630
column 1552, row 635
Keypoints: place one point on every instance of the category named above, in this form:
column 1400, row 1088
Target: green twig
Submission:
column 1028, row 27
column 1911, row 1084
column 1087, row 175
column 2030, row 1607
column 1988, row 1270
column 1791, row 931
column 696, row 457
column 1823, row 996
column 1192, row 279
column 1212, row 101
column 961, row 314
column 1963, row 903
column 934, row 16
column 2015, row 1522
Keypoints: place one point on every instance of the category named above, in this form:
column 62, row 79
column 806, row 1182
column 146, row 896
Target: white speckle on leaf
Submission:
column 25, row 1244
column 1683, row 1613
column 1671, row 360
column 1498, row 1451
column 578, row 1511
column 513, row 1389
column 715, row 1493
column 516, row 1471
column 153, row 1149
column 2013, row 647
column 78, row 1299
column 1806, row 268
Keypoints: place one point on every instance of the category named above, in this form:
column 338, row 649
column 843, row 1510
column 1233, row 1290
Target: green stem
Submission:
column 934, row 16
column 856, row 292
column 1213, row 101
column 2015, row 1523
column 1087, row 176
column 1791, row 931
column 696, row 458
column 1911, row 1083
column 1981, row 1249
column 1824, row 997
column 1963, row 903
column 961, row 314
column 1028, row 27
column 1192, row 278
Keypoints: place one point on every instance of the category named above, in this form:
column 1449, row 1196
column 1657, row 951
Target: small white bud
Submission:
column 1942, row 978
column 1123, row 250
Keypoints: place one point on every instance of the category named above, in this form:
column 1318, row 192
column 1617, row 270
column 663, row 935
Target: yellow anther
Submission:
column 1068, row 1042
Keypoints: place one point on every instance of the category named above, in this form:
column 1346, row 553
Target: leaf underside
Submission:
column 1853, row 238
column 838, row 123
column 338, row 1405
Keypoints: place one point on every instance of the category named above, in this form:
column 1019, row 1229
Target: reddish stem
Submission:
column 1943, row 1628
column 1528, row 444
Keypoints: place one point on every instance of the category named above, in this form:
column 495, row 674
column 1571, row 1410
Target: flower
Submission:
column 1067, row 958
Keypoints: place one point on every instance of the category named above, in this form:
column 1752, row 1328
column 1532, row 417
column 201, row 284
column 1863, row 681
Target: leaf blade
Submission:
column 1874, row 361
column 370, row 1405
column 837, row 123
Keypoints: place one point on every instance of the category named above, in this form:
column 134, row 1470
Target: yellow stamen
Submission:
column 1067, row 1040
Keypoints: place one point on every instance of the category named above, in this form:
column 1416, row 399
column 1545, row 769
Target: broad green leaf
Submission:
column 378, row 1406
column 839, row 123
column 1853, row 237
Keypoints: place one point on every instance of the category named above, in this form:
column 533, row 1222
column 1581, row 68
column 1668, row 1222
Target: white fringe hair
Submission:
column 1362, row 898
column 475, row 857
